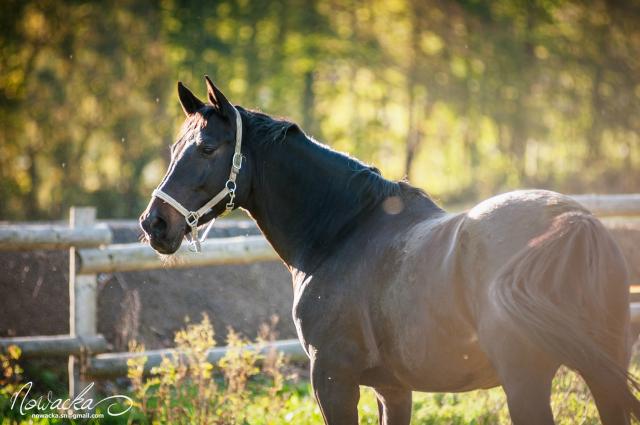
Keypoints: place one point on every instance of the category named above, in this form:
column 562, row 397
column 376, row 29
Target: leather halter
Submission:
column 192, row 217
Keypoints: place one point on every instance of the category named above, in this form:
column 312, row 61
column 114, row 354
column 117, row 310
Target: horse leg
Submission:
column 607, row 401
column 608, row 409
column 525, row 373
column 337, row 393
column 528, row 393
column 394, row 406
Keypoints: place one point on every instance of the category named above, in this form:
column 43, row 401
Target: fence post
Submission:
column 82, row 304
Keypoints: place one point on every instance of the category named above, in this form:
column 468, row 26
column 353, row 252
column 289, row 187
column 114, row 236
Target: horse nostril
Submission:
column 157, row 225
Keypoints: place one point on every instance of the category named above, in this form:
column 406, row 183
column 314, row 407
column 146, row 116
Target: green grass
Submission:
column 296, row 405
column 249, row 388
column 571, row 403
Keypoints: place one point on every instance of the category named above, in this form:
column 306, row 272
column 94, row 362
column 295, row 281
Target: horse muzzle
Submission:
column 164, row 236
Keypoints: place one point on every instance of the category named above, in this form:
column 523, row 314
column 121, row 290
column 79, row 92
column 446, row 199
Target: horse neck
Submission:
column 300, row 198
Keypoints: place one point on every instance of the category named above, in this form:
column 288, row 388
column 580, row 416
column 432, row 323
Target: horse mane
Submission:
column 264, row 128
column 350, row 190
column 366, row 180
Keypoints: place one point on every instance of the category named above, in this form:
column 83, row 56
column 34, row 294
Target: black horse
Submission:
column 392, row 292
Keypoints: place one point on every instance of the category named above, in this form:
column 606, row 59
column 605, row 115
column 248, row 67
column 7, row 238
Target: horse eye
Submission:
column 208, row 150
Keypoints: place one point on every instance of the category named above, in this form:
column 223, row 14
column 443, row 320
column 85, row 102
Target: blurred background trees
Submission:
column 467, row 98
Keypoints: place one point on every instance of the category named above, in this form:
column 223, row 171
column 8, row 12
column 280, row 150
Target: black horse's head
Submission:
column 201, row 161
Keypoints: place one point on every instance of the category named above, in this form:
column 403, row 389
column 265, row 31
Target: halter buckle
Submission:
column 236, row 162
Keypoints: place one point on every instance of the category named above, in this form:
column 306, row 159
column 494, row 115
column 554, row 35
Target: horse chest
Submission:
column 332, row 318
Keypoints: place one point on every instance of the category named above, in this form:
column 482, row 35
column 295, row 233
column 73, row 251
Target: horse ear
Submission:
column 217, row 99
column 190, row 103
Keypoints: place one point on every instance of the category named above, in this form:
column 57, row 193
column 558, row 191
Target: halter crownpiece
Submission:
column 192, row 217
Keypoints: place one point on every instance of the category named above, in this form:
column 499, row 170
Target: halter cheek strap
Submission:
column 192, row 217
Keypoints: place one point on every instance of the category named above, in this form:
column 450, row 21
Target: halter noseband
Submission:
column 192, row 217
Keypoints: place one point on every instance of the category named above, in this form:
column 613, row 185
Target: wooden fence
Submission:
column 92, row 253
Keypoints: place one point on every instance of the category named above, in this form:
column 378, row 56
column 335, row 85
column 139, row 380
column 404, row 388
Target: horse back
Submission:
column 441, row 286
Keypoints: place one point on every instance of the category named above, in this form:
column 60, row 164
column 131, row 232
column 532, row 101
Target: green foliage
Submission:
column 185, row 389
column 571, row 403
column 247, row 387
column 467, row 98
column 83, row 89
column 188, row 389
column 10, row 378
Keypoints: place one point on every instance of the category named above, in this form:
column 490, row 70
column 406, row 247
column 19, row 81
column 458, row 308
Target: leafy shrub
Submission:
column 188, row 389
column 10, row 380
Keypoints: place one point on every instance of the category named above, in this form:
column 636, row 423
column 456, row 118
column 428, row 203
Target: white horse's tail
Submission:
column 567, row 292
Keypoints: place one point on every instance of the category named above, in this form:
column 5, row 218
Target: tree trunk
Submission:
column 34, row 180
column 594, row 135
column 413, row 137
column 308, row 104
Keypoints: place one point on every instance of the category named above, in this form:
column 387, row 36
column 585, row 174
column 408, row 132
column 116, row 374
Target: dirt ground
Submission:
column 147, row 306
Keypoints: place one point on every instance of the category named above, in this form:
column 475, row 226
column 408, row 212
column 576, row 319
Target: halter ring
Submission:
column 192, row 219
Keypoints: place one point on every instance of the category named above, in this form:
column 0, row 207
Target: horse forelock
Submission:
column 194, row 123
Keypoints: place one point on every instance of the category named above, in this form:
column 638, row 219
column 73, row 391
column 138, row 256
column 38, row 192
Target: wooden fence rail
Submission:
column 622, row 205
column 135, row 256
column 56, row 345
column 115, row 364
column 31, row 237
column 91, row 253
